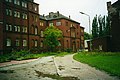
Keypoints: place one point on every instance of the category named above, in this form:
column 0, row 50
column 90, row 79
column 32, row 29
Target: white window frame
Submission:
column 36, row 30
column 24, row 43
column 41, row 33
column 8, row 42
column 58, row 23
column 17, row 42
column 36, row 43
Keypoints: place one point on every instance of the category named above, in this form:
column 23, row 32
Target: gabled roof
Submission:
column 56, row 16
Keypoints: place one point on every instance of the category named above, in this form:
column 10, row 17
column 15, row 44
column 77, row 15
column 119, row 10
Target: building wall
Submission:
column 26, row 28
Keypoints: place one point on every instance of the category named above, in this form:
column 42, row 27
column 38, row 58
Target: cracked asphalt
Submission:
column 53, row 68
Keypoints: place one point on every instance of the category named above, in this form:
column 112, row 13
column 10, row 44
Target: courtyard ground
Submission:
column 51, row 68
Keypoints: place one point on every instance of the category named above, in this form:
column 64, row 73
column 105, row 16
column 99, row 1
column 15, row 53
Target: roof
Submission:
column 55, row 16
column 116, row 4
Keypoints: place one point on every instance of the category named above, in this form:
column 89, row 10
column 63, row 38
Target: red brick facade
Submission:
column 21, row 27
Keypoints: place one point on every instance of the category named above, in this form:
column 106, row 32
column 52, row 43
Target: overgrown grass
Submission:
column 24, row 55
column 107, row 61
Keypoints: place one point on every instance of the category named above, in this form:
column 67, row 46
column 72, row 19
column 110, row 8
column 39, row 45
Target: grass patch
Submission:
column 24, row 55
column 107, row 61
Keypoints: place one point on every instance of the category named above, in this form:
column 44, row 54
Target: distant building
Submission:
column 22, row 27
column 73, row 33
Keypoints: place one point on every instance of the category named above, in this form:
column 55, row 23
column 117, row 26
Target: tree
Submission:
column 100, row 26
column 51, row 35
column 95, row 27
column 87, row 36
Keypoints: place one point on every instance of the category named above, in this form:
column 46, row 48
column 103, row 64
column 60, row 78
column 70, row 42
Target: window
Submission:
column 24, row 43
column 41, row 44
column 51, row 24
column 35, row 8
column 17, row 42
column 17, row 2
column 36, row 42
column 82, row 31
column 41, row 33
column 36, row 31
column 36, row 19
column 8, row 12
column 66, row 23
column 24, row 4
column 41, row 24
column 8, row 42
column 8, row 0
column 24, row 30
column 17, row 14
column 24, row 16
column 17, row 28
column 8, row 27
column 58, row 23
column 82, row 38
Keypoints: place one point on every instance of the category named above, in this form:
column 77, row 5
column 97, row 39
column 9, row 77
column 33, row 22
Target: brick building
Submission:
column 22, row 27
column 114, row 15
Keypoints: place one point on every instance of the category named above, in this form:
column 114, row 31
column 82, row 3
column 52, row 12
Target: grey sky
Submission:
column 72, row 8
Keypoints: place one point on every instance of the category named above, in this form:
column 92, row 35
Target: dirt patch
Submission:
column 53, row 76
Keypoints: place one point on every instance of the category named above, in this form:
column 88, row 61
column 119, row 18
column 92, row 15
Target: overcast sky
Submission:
column 73, row 7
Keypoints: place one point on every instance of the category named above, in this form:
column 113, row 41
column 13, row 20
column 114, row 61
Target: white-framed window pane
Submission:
column 24, row 43
column 51, row 24
column 18, row 28
column 41, row 44
column 36, row 31
column 41, row 32
column 15, row 27
column 7, row 12
column 10, row 27
column 10, row 12
column 36, row 43
column 8, row 42
column 18, row 14
column 58, row 23
column 7, row 28
column 17, row 42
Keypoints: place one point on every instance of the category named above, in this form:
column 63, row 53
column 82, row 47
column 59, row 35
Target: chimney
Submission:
column 69, row 16
column 50, row 14
column 58, row 13
column 109, row 4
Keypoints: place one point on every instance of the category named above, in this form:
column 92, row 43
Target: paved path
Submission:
column 47, row 67
column 67, row 66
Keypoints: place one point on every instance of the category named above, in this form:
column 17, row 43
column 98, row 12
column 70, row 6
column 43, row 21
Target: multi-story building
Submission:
column 73, row 33
column 21, row 27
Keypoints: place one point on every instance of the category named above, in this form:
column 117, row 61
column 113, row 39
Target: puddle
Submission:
column 61, row 67
column 53, row 76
